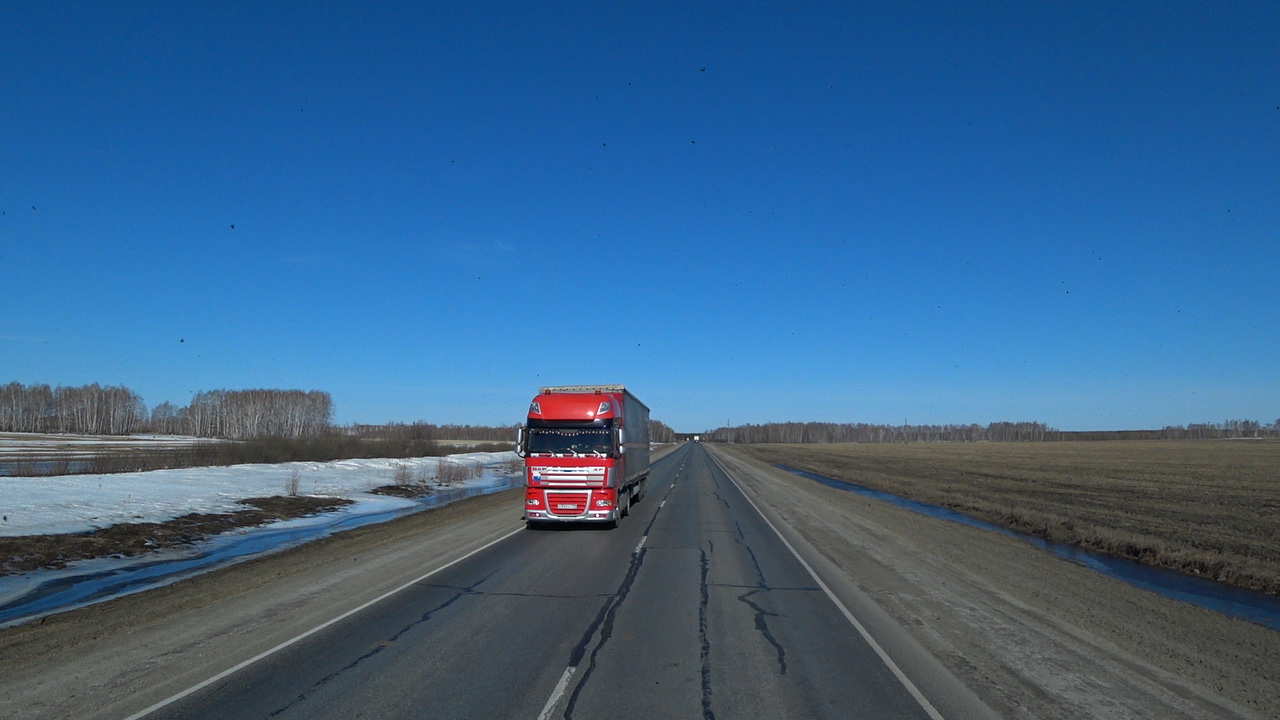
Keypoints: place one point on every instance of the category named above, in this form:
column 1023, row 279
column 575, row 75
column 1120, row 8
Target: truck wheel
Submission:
column 624, row 506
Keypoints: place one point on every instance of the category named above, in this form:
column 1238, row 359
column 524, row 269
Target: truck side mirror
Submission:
column 521, row 449
column 619, row 441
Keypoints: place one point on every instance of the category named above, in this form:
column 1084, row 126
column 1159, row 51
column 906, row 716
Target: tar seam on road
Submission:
column 382, row 645
column 705, row 653
column 604, row 623
column 761, row 615
column 928, row 707
column 267, row 653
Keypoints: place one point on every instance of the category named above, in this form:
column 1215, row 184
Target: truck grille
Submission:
column 568, row 503
column 554, row 475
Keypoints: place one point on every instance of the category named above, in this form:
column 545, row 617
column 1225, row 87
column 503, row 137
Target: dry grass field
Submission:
column 1208, row 508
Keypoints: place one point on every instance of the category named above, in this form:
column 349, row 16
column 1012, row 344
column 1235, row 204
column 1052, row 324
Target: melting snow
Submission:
column 77, row 503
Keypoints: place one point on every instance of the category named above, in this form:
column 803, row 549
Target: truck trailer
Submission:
column 586, row 451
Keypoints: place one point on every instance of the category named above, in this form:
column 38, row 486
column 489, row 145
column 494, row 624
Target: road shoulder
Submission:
column 1032, row 635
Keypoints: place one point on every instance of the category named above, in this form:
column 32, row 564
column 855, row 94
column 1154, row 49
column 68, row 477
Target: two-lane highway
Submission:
column 693, row 607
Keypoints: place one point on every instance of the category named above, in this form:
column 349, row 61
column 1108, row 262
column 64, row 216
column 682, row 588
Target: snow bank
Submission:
column 77, row 503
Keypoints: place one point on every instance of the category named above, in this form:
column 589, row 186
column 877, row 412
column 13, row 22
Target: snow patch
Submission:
column 80, row 503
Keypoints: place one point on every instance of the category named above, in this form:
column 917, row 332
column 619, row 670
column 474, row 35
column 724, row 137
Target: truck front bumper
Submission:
column 543, row 504
column 590, row 516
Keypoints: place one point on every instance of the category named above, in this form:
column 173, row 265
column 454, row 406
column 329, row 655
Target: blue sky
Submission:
column 936, row 212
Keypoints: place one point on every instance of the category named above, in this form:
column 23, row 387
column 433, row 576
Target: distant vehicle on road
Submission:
column 586, row 450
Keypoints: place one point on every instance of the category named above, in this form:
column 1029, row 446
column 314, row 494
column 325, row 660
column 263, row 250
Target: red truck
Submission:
column 586, row 450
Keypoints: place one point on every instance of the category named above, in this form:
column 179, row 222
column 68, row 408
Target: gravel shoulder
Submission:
column 1034, row 636
column 116, row 658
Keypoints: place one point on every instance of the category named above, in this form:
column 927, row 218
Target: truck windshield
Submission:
column 588, row 441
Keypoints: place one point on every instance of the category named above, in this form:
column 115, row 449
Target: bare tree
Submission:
column 243, row 414
column 660, row 432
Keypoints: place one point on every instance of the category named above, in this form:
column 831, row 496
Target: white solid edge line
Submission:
column 929, row 709
column 312, row 631
column 555, row 694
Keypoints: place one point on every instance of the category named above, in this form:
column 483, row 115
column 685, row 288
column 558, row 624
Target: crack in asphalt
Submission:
column 705, row 654
column 605, row 618
column 737, row 586
column 763, row 626
column 723, row 502
column 761, row 615
column 604, row 622
column 382, row 644
column 541, row 595
column 755, row 562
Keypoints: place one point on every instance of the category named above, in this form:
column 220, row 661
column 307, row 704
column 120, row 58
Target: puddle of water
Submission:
column 22, row 468
column 43, row 592
column 1235, row 602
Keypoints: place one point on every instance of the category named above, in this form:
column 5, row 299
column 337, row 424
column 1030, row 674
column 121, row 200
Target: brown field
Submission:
column 1204, row 507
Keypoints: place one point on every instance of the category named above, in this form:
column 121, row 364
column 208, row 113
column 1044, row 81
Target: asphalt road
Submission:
column 693, row 607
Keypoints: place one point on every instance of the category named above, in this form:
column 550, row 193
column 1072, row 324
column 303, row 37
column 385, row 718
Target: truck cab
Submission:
column 586, row 451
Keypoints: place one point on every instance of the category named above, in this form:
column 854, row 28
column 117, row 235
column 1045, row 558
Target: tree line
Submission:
column 425, row 431
column 117, row 410
column 245, row 414
column 822, row 432
column 293, row 414
column 819, row 432
column 88, row 409
column 1227, row 430
column 660, row 432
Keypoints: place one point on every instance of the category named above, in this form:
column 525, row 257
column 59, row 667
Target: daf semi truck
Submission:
column 586, row 451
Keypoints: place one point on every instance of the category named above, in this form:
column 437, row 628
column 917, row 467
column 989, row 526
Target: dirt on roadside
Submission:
column 415, row 490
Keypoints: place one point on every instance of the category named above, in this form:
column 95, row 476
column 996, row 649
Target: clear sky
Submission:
column 1066, row 212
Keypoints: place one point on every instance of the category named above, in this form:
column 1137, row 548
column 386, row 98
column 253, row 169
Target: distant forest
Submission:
column 814, row 432
column 295, row 414
column 117, row 410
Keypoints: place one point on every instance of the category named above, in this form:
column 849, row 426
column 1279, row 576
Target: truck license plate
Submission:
column 564, row 506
